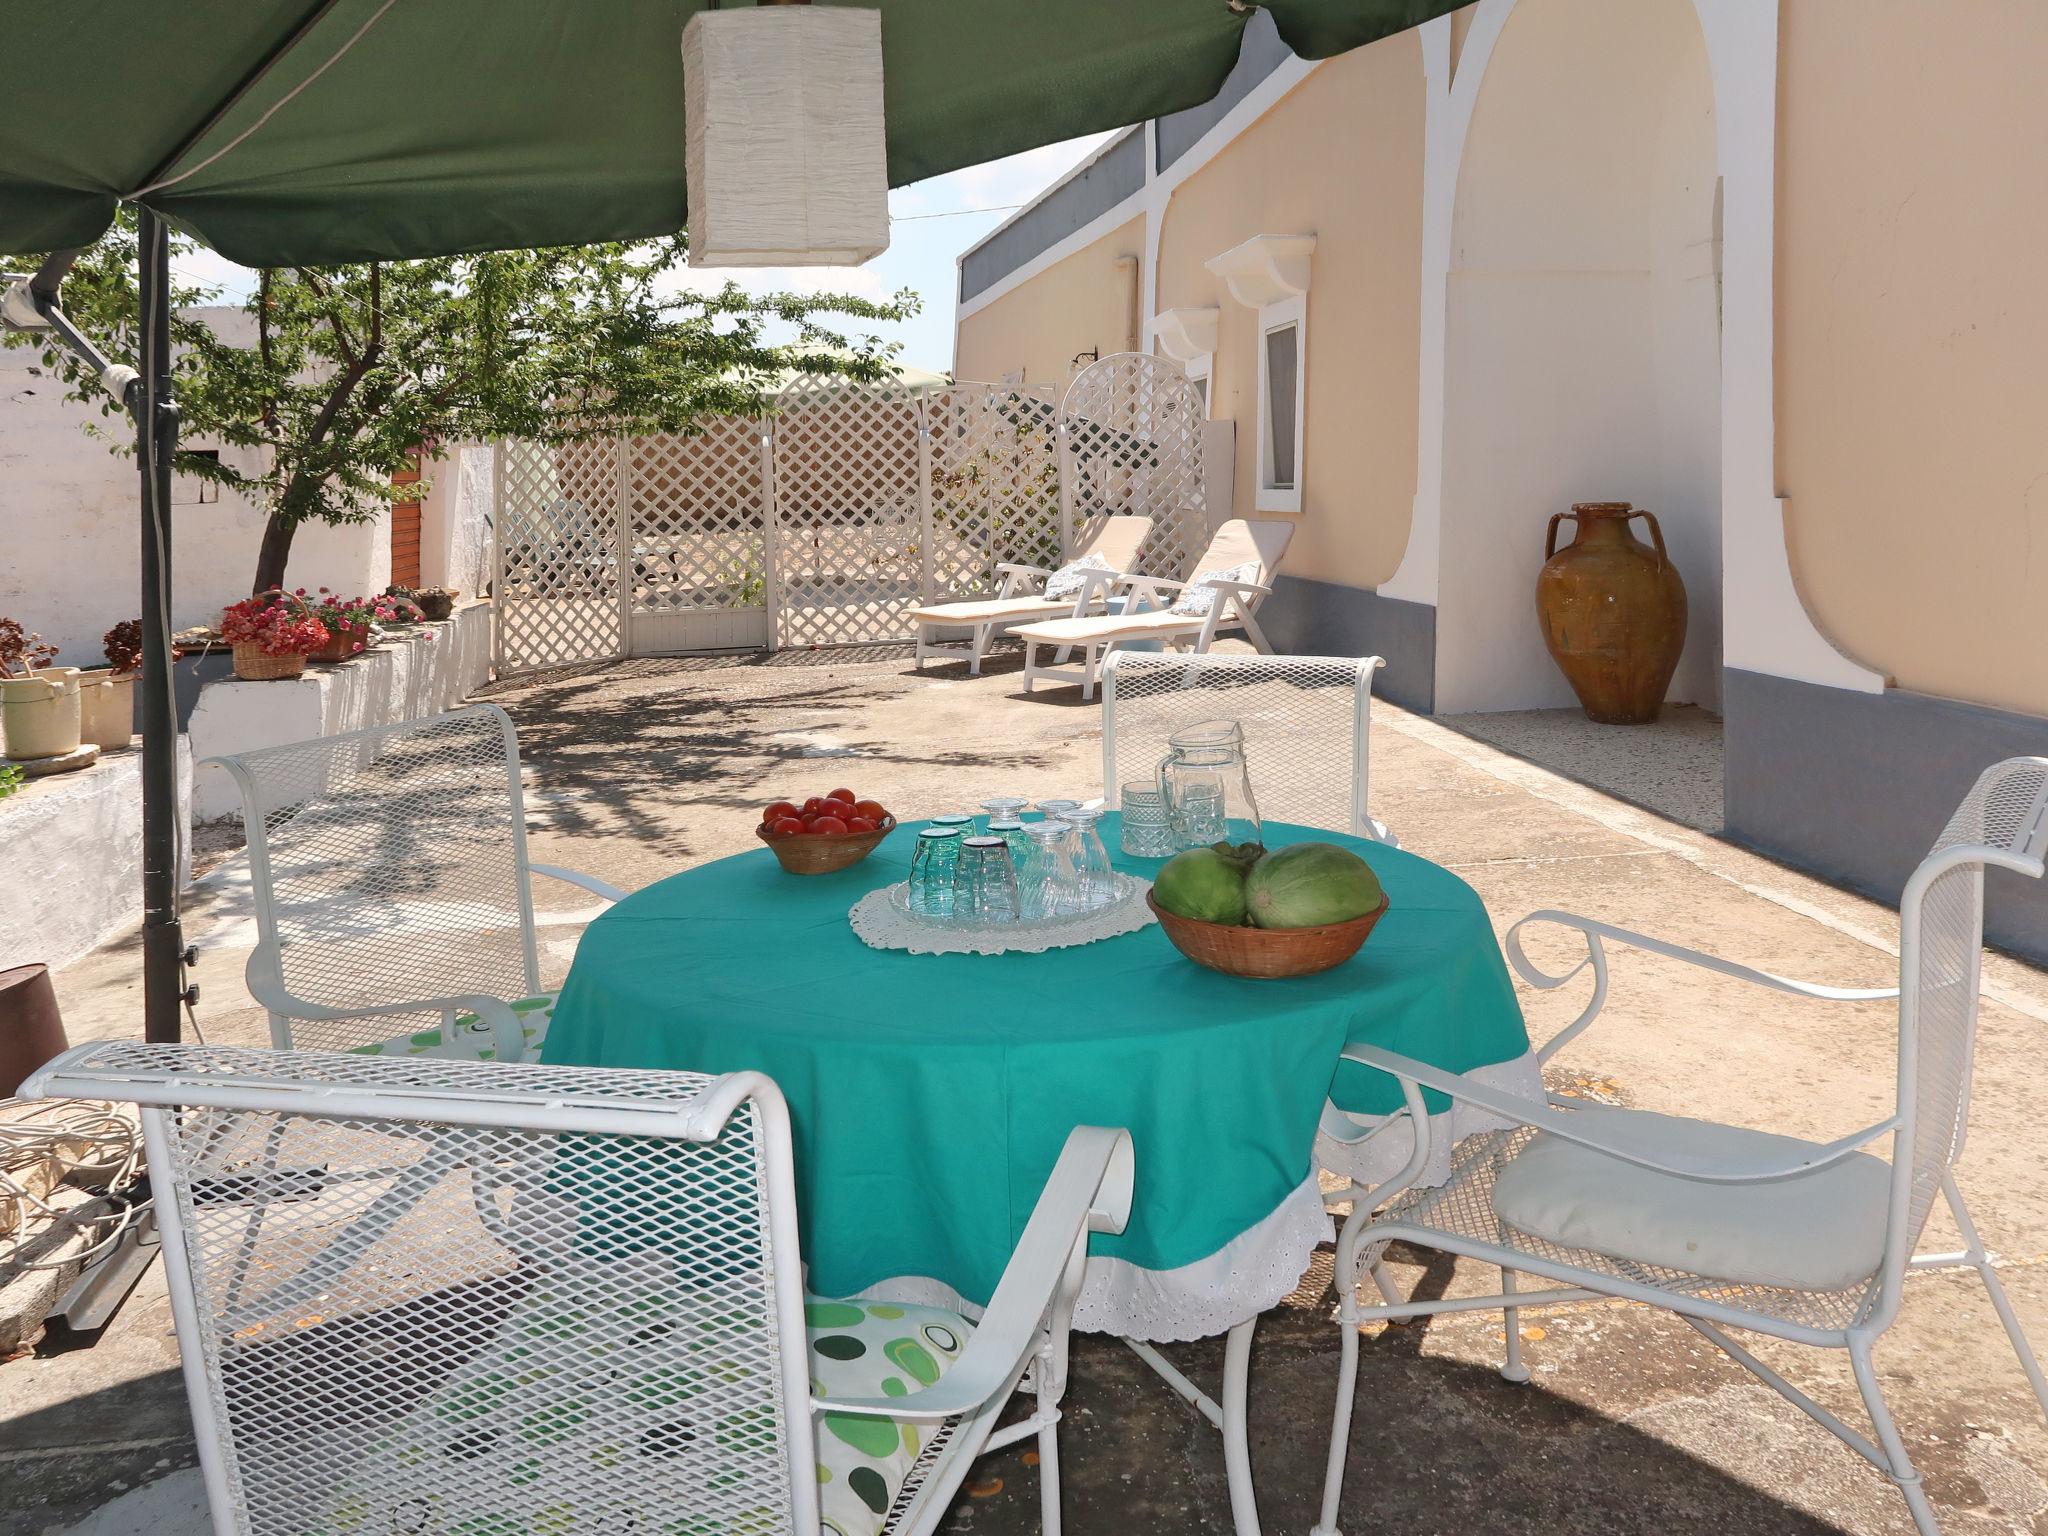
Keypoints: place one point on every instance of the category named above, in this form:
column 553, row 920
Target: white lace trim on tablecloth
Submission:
column 1248, row 1275
column 1347, row 1143
column 880, row 925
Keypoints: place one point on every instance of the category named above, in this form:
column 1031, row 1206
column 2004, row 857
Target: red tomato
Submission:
column 776, row 812
column 828, row 825
column 846, row 796
column 860, row 824
column 814, row 806
column 785, row 826
column 872, row 809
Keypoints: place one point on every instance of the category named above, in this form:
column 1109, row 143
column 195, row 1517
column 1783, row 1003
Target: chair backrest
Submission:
column 1305, row 718
column 431, row 1296
column 2003, row 823
column 390, row 864
column 1117, row 540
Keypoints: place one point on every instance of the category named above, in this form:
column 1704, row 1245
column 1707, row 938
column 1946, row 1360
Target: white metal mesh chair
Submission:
column 390, row 875
column 469, row 1299
column 1726, row 1227
column 1307, row 726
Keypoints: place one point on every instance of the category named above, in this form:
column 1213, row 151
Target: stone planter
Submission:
column 1613, row 612
column 39, row 714
column 106, row 711
column 436, row 603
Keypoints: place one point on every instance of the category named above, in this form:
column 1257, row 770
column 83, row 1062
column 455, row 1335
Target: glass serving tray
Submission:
column 1127, row 891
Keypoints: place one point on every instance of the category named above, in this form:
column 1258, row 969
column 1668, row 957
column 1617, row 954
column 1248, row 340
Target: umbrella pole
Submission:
column 164, row 956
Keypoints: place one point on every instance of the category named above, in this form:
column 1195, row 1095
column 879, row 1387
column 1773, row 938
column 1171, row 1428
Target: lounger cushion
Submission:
column 1100, row 627
column 1818, row 1231
column 471, row 1038
column 984, row 610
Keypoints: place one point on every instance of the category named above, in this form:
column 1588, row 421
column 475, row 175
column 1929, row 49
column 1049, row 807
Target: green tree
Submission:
column 343, row 373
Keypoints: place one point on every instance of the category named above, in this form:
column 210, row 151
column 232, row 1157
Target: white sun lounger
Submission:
column 1148, row 612
column 1021, row 599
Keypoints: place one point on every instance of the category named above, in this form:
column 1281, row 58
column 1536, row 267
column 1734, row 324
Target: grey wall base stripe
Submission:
column 1322, row 618
column 1855, row 786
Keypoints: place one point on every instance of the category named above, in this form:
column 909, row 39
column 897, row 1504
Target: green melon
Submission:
column 1310, row 884
column 1202, row 884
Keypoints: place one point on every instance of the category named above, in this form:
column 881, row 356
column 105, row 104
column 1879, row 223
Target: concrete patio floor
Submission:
column 1632, row 1423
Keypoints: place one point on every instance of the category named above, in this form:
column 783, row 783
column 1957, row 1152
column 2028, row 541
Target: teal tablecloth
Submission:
column 930, row 1094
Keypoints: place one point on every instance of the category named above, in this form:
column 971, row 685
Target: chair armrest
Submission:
column 1017, row 568
column 1089, row 1191
column 1594, row 932
column 1238, row 588
column 507, row 1037
column 1149, row 589
column 1581, row 1126
column 590, row 883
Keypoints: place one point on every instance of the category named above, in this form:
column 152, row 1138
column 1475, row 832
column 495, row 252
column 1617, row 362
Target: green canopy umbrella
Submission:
column 315, row 132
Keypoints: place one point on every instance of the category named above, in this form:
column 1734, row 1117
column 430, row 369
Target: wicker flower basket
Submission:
column 1266, row 954
column 255, row 665
column 821, row 853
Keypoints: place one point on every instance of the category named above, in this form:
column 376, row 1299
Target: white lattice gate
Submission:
column 1133, row 444
column 828, row 521
column 557, row 530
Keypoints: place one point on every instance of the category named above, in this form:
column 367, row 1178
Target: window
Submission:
column 1281, row 399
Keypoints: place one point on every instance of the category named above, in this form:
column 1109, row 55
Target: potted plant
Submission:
column 407, row 602
column 38, row 702
column 351, row 621
column 107, row 694
column 437, row 603
column 273, row 633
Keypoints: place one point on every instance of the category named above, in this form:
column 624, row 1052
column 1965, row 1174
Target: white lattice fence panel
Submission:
column 995, row 483
column 847, row 562
column 1134, row 446
column 698, row 519
column 557, row 595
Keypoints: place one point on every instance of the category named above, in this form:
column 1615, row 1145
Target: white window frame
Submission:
column 1201, row 372
column 1292, row 311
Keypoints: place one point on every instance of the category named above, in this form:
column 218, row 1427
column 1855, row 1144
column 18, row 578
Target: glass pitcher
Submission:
column 1207, row 786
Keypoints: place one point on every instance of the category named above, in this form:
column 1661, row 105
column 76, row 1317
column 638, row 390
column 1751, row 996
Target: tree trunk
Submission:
column 276, row 550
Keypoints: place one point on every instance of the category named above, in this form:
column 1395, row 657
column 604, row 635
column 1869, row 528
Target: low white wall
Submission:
column 419, row 672
column 71, row 845
column 72, row 562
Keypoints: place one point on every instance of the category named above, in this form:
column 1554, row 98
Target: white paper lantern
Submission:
column 784, row 149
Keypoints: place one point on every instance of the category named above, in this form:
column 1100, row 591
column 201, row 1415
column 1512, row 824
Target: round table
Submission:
column 930, row 1094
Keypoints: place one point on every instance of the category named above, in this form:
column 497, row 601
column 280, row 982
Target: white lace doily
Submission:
column 1248, row 1275
column 881, row 925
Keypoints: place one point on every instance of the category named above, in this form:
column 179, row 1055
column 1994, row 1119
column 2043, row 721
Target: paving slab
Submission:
column 1632, row 1423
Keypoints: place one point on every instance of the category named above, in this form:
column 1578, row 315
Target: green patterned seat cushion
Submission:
column 471, row 1039
column 639, row 1398
column 873, row 1349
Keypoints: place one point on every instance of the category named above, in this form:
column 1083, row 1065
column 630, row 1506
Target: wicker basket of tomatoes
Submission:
column 824, row 833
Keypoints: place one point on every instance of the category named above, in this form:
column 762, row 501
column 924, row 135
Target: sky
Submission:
column 930, row 225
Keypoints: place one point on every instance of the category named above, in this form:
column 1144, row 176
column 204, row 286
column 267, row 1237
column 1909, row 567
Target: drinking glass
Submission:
column 1147, row 831
column 934, row 871
column 1049, row 809
column 987, row 889
column 1048, row 873
column 1002, row 808
column 1094, row 879
column 958, row 821
column 1011, row 831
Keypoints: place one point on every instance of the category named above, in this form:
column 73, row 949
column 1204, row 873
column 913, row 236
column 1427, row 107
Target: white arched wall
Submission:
column 1581, row 330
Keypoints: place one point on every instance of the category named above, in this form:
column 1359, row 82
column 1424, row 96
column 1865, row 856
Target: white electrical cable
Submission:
column 111, row 1153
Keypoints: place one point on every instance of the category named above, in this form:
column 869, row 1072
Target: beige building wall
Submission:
column 1087, row 301
column 1912, row 327
column 1339, row 157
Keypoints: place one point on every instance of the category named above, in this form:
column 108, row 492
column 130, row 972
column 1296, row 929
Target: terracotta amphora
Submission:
column 1613, row 612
